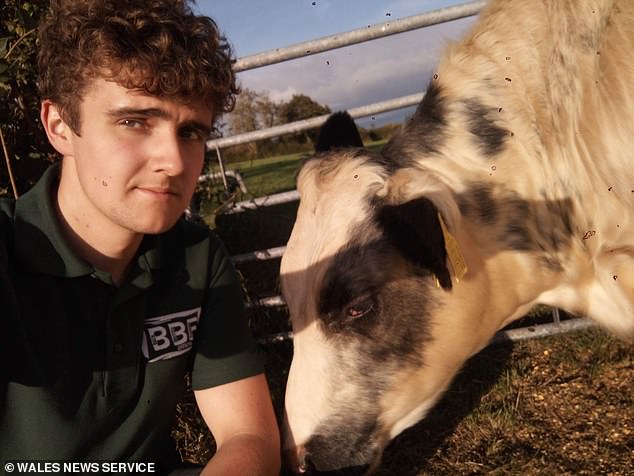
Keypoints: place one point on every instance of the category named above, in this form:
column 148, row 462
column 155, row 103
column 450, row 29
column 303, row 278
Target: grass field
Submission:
column 269, row 175
column 553, row 406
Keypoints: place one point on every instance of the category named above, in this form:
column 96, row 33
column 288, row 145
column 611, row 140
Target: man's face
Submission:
column 136, row 163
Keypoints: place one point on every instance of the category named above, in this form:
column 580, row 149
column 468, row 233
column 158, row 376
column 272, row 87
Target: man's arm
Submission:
column 241, row 418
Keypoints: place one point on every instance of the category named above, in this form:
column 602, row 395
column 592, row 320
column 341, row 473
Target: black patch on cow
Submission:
column 557, row 225
column 481, row 203
column 543, row 226
column 347, row 442
column 338, row 131
column 413, row 228
column 357, row 270
column 372, row 349
column 424, row 133
column 489, row 136
column 373, row 277
column 517, row 230
column 511, row 214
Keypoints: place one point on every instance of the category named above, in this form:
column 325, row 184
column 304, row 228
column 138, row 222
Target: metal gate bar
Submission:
column 371, row 32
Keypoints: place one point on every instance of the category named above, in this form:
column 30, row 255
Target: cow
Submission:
column 511, row 185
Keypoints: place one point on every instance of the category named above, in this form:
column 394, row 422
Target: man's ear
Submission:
column 413, row 227
column 58, row 131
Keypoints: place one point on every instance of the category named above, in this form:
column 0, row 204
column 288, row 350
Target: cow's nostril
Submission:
column 298, row 460
column 304, row 465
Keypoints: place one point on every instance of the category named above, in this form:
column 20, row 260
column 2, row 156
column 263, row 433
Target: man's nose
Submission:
column 169, row 155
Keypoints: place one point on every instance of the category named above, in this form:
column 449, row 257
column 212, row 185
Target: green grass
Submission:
column 267, row 175
column 275, row 174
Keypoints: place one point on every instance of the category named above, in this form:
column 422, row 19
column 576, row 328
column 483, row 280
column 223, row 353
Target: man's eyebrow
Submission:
column 138, row 111
column 122, row 112
column 199, row 126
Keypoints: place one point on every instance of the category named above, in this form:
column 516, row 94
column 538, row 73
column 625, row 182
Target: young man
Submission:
column 107, row 296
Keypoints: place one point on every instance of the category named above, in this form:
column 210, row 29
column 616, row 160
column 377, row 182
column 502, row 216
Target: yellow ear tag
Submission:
column 454, row 254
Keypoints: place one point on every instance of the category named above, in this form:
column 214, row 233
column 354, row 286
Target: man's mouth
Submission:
column 160, row 191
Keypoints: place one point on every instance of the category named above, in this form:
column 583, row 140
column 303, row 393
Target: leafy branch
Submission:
column 5, row 151
column 25, row 148
column 18, row 41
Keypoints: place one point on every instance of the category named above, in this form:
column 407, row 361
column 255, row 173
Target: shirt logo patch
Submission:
column 171, row 335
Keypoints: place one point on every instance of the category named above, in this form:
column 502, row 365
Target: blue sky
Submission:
column 348, row 77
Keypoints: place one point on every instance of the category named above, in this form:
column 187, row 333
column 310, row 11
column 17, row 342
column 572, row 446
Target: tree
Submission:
column 268, row 111
column 25, row 149
column 256, row 110
column 303, row 107
column 244, row 118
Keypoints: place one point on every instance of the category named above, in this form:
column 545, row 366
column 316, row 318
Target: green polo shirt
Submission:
column 92, row 372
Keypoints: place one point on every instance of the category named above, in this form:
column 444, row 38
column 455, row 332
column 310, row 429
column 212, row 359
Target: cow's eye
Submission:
column 359, row 307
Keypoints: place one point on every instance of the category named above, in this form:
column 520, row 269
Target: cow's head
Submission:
column 380, row 323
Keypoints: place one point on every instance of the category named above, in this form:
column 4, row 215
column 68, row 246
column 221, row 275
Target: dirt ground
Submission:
column 556, row 406
column 561, row 405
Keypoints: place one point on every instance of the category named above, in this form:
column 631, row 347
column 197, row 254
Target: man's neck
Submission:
column 109, row 249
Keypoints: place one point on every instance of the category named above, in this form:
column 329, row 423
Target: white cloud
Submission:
column 285, row 95
column 362, row 74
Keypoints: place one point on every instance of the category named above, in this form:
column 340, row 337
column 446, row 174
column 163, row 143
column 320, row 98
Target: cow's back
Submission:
column 545, row 91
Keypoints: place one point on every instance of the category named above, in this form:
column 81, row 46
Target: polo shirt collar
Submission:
column 40, row 246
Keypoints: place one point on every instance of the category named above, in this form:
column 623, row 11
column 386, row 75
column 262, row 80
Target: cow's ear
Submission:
column 414, row 228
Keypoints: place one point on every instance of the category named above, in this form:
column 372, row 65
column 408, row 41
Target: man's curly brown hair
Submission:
column 158, row 46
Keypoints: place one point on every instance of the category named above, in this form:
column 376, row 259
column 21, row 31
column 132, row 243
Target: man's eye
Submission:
column 132, row 123
column 193, row 134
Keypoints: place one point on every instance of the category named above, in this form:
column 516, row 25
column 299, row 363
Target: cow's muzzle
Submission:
column 302, row 461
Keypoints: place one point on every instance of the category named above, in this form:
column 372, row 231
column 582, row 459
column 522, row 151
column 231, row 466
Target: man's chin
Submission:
column 156, row 227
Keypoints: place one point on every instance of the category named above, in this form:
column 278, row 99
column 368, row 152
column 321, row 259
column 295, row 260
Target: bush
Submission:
column 25, row 148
